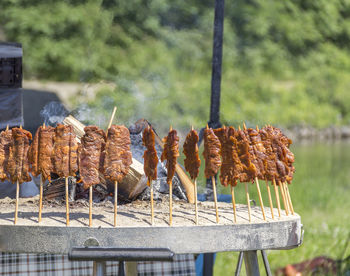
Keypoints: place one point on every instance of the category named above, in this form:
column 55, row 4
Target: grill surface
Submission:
column 52, row 236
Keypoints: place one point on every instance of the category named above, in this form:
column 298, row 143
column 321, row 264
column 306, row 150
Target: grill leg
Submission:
column 239, row 264
column 99, row 268
column 121, row 269
column 266, row 263
column 251, row 263
column 208, row 264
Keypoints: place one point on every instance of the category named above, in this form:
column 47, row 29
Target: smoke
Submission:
column 88, row 115
column 53, row 113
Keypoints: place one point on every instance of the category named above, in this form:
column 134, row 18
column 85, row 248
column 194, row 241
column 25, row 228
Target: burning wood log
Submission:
column 133, row 183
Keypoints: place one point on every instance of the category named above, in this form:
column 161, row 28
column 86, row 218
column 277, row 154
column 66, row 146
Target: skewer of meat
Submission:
column 257, row 163
column 261, row 154
column 150, row 161
column 91, row 159
column 18, row 164
column 211, row 153
column 287, row 157
column 281, row 167
column 40, row 157
column 117, row 159
column 285, row 160
column 249, row 169
column 65, row 159
column 192, row 162
column 270, row 164
column 230, row 161
column 170, row 154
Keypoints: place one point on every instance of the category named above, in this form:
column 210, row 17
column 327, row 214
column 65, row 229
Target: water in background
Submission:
column 321, row 195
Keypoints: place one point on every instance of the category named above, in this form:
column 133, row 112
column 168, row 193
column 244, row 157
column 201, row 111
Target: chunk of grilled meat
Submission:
column 5, row 142
column 231, row 165
column 40, row 153
column 92, row 155
column 170, row 153
column 150, row 155
column 190, row 149
column 211, row 153
column 249, row 170
column 65, row 151
column 270, row 162
column 284, row 157
column 18, row 164
column 257, row 152
column 118, row 157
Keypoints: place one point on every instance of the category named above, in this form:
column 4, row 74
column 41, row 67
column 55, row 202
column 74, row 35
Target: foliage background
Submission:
column 285, row 62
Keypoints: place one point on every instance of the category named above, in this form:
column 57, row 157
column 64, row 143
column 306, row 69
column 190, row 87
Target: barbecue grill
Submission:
column 136, row 240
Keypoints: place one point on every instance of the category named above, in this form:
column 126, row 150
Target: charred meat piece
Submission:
column 211, row 153
column 270, row 162
column 118, row 157
column 170, row 153
column 41, row 152
column 92, row 155
column 150, row 155
column 231, row 167
column 65, row 158
column 5, row 142
column 249, row 170
column 257, row 152
column 18, row 164
column 190, row 149
column 284, row 157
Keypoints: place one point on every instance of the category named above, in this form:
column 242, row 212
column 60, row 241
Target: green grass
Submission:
column 320, row 193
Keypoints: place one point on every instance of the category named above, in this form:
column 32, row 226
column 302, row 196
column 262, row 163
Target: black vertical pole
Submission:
column 216, row 64
column 214, row 120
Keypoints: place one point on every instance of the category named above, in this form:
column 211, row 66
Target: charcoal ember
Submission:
column 100, row 192
column 56, row 189
column 162, row 188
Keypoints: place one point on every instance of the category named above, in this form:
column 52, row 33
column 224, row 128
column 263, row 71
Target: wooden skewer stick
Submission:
column 195, row 200
column 289, row 198
column 7, row 127
column 170, row 183
column 270, row 199
column 115, row 202
column 260, row 198
column 150, row 183
column 40, row 198
column 248, row 201
column 286, row 195
column 17, row 198
column 67, row 201
column 215, row 199
column 283, row 198
column 112, row 117
column 277, row 197
column 90, row 206
column 233, row 203
column 195, row 194
column 170, row 202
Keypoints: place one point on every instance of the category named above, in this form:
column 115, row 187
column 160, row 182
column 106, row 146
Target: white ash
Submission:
column 160, row 186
